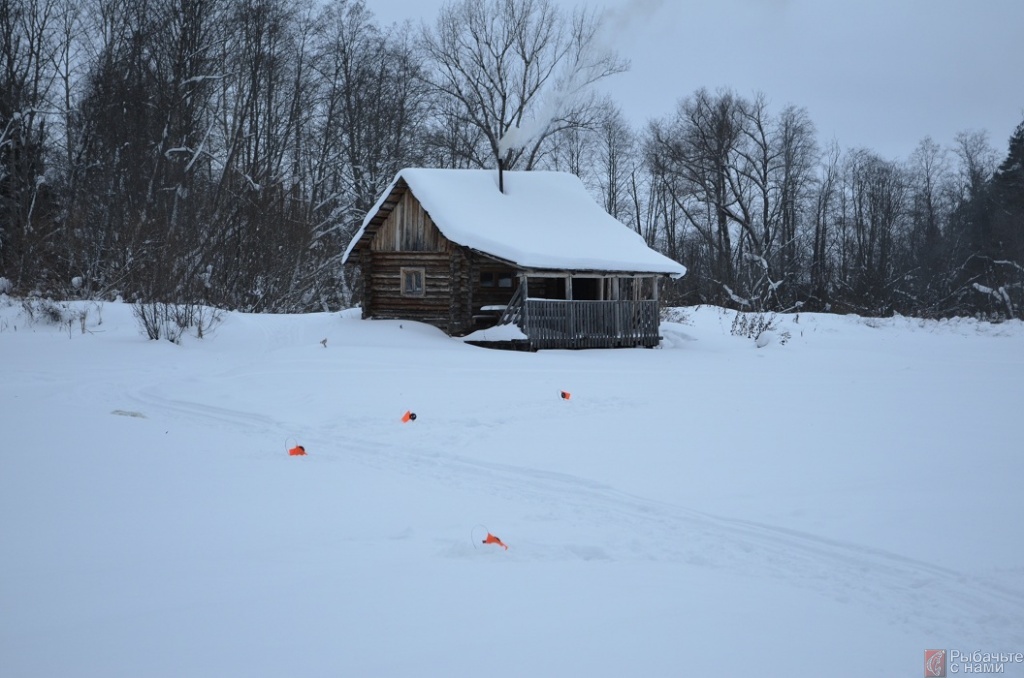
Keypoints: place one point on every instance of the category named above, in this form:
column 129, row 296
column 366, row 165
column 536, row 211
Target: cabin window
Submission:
column 412, row 282
column 501, row 279
column 586, row 289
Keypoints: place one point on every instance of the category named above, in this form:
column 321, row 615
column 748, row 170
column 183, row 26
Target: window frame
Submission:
column 421, row 276
column 497, row 279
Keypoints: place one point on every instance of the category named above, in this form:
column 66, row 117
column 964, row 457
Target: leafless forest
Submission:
column 223, row 152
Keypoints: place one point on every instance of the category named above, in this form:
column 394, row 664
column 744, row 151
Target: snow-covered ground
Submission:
column 831, row 503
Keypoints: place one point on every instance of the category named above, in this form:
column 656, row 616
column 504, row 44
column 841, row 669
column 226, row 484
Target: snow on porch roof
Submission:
column 543, row 221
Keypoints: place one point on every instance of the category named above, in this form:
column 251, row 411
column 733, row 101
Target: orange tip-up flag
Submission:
column 491, row 539
column 566, row 395
column 297, row 451
column 408, row 416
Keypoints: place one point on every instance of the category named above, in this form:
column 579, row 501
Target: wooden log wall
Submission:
column 384, row 298
column 495, row 294
column 460, row 306
column 451, row 298
column 408, row 238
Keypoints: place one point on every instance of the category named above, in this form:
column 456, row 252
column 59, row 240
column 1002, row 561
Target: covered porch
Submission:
column 584, row 310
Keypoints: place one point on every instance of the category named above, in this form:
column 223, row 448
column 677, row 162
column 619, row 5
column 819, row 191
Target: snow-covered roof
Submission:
column 542, row 221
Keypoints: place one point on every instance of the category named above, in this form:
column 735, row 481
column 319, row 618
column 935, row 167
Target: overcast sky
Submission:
column 879, row 74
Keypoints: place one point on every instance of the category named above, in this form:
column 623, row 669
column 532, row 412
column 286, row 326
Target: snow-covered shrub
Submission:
column 761, row 327
column 675, row 314
column 46, row 311
column 160, row 320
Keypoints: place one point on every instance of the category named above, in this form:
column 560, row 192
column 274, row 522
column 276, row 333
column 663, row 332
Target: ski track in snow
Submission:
column 909, row 592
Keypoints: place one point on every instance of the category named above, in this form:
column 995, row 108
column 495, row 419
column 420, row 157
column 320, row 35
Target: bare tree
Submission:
column 255, row 224
column 798, row 155
column 27, row 51
column 602, row 154
column 367, row 123
column 875, row 192
column 115, row 127
column 519, row 66
column 696, row 152
column 374, row 95
column 977, row 163
column 69, row 64
column 142, row 153
column 616, row 164
column 774, row 160
column 824, row 215
column 930, row 204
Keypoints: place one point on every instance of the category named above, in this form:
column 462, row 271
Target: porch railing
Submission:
column 589, row 324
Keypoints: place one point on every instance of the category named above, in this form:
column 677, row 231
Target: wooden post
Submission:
column 524, row 296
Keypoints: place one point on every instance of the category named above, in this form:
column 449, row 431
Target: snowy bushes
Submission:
column 675, row 314
column 46, row 311
column 761, row 327
column 160, row 320
column 49, row 312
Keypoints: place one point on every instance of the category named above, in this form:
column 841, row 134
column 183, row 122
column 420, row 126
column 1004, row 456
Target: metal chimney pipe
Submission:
column 501, row 175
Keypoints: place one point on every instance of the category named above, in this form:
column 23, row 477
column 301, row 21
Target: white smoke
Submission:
column 627, row 22
column 616, row 27
column 520, row 136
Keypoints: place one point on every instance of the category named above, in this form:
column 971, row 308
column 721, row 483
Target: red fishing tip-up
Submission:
column 491, row 539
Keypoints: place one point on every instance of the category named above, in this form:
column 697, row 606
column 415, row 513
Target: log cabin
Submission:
column 468, row 250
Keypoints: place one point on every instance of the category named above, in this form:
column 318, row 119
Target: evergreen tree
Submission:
column 1006, row 222
column 1007, row 201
